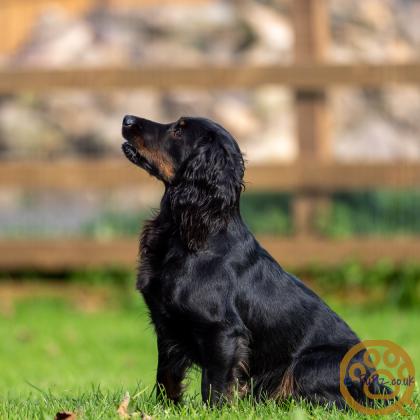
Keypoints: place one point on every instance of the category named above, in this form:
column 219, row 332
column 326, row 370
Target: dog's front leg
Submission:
column 216, row 386
column 172, row 366
column 221, row 360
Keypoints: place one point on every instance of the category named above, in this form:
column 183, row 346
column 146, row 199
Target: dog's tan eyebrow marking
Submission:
column 182, row 123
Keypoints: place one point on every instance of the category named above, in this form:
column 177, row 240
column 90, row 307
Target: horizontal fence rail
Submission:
column 311, row 75
column 294, row 177
column 65, row 254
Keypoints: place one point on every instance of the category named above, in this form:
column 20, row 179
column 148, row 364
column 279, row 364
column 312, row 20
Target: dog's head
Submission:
column 200, row 163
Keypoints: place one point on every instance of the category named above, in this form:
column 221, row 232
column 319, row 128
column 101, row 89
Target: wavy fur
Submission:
column 216, row 298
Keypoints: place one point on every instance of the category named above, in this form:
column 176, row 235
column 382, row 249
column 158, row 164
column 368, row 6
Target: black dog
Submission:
column 217, row 299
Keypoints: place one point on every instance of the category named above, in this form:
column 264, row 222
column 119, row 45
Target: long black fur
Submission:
column 217, row 299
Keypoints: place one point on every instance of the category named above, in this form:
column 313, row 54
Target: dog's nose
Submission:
column 129, row 120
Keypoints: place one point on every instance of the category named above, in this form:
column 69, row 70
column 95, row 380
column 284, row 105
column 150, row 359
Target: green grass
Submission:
column 54, row 357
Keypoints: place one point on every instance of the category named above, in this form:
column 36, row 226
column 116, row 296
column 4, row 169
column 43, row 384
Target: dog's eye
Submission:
column 177, row 133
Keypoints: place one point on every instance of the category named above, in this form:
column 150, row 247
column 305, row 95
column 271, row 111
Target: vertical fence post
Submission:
column 311, row 29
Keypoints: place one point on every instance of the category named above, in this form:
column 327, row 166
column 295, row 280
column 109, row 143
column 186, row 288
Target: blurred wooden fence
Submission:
column 311, row 178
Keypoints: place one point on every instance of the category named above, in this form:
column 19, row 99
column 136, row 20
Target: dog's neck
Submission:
column 199, row 231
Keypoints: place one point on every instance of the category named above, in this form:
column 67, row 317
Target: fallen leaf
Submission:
column 146, row 417
column 123, row 408
column 68, row 415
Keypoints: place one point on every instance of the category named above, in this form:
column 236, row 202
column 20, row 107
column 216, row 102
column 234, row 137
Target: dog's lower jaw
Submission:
column 131, row 153
column 137, row 159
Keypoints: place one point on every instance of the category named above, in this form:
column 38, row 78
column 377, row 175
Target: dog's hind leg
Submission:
column 315, row 378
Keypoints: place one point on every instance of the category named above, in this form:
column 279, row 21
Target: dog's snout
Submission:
column 129, row 121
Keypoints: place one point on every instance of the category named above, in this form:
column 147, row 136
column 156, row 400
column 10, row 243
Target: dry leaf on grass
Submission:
column 123, row 408
column 67, row 415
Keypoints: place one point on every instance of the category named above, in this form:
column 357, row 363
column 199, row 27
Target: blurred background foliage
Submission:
column 378, row 212
column 382, row 212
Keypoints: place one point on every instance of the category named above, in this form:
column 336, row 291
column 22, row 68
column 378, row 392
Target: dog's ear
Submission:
column 207, row 190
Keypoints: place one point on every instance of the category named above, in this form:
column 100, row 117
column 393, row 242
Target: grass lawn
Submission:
column 55, row 356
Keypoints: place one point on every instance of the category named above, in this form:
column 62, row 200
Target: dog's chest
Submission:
column 157, row 256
